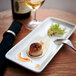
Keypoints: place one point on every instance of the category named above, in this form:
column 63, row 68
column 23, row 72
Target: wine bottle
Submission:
column 20, row 10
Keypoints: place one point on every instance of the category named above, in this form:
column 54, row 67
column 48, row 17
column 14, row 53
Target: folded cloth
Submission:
column 5, row 45
column 15, row 27
column 7, row 42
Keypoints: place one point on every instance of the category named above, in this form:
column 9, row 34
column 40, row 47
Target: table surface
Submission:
column 63, row 64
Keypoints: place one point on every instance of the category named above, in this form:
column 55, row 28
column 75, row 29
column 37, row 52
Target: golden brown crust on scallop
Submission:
column 35, row 47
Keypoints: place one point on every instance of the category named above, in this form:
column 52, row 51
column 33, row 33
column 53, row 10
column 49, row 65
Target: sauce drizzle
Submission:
column 23, row 59
column 37, row 66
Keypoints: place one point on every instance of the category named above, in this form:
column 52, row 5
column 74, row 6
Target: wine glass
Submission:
column 34, row 5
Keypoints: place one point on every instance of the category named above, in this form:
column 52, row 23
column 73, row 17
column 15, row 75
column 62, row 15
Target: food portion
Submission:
column 35, row 49
column 55, row 30
column 38, row 49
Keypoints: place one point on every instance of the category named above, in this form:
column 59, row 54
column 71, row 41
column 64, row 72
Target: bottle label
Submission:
column 20, row 7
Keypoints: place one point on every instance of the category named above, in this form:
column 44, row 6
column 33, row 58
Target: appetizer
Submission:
column 38, row 49
column 55, row 30
column 35, row 49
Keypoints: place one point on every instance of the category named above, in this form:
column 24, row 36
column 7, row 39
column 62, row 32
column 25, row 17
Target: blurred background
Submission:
column 66, row 5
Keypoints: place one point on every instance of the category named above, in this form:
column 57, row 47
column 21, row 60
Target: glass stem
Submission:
column 34, row 13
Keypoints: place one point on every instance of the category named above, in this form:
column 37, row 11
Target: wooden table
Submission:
column 63, row 64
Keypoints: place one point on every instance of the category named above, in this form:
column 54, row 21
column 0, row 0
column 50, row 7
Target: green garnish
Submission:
column 55, row 30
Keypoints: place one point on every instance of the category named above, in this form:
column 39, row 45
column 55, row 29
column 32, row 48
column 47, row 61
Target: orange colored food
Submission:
column 37, row 66
column 23, row 59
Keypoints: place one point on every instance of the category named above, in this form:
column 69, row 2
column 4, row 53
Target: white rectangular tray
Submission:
column 36, row 35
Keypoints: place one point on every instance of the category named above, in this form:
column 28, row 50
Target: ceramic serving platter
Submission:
column 40, row 33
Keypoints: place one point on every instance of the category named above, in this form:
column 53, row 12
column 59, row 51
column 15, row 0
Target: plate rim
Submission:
column 38, row 71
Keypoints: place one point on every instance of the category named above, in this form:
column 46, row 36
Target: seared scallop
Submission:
column 35, row 49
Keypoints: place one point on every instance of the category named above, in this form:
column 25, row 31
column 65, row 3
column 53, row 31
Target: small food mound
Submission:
column 23, row 59
column 37, row 66
column 55, row 30
column 35, row 49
